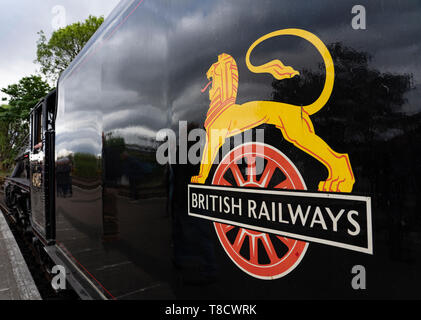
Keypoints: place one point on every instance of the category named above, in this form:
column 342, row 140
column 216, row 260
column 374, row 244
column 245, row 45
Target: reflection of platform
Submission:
column 115, row 243
column 16, row 282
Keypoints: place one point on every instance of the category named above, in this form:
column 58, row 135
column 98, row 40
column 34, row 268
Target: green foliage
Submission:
column 23, row 96
column 14, row 128
column 4, row 151
column 86, row 165
column 55, row 55
column 12, row 136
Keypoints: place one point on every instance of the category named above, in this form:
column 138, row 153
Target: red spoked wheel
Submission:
column 261, row 255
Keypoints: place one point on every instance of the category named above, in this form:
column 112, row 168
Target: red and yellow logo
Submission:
column 226, row 119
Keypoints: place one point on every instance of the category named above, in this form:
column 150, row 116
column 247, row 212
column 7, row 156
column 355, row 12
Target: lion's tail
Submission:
column 279, row 71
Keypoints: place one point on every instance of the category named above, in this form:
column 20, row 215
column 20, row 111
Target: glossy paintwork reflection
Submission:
column 124, row 217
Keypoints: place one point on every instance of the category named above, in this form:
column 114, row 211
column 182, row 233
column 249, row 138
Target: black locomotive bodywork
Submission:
column 16, row 189
column 123, row 222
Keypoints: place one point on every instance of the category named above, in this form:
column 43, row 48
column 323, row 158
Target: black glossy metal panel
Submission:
column 123, row 217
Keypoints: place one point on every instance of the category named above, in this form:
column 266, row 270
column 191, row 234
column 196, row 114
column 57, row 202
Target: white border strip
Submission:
column 293, row 193
column 367, row 200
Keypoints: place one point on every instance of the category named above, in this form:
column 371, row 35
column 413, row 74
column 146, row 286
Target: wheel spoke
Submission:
column 251, row 169
column 227, row 228
column 254, row 253
column 223, row 182
column 270, row 250
column 241, row 236
column 286, row 184
column 238, row 176
column 288, row 242
column 262, row 260
column 267, row 174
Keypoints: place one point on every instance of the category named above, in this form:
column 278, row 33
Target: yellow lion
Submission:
column 225, row 118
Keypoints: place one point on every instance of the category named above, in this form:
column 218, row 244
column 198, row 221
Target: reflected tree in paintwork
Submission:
column 364, row 118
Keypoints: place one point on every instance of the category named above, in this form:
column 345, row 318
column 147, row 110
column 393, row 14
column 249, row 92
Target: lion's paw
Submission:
column 198, row 179
column 337, row 185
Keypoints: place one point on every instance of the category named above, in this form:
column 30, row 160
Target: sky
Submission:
column 20, row 20
column 391, row 29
